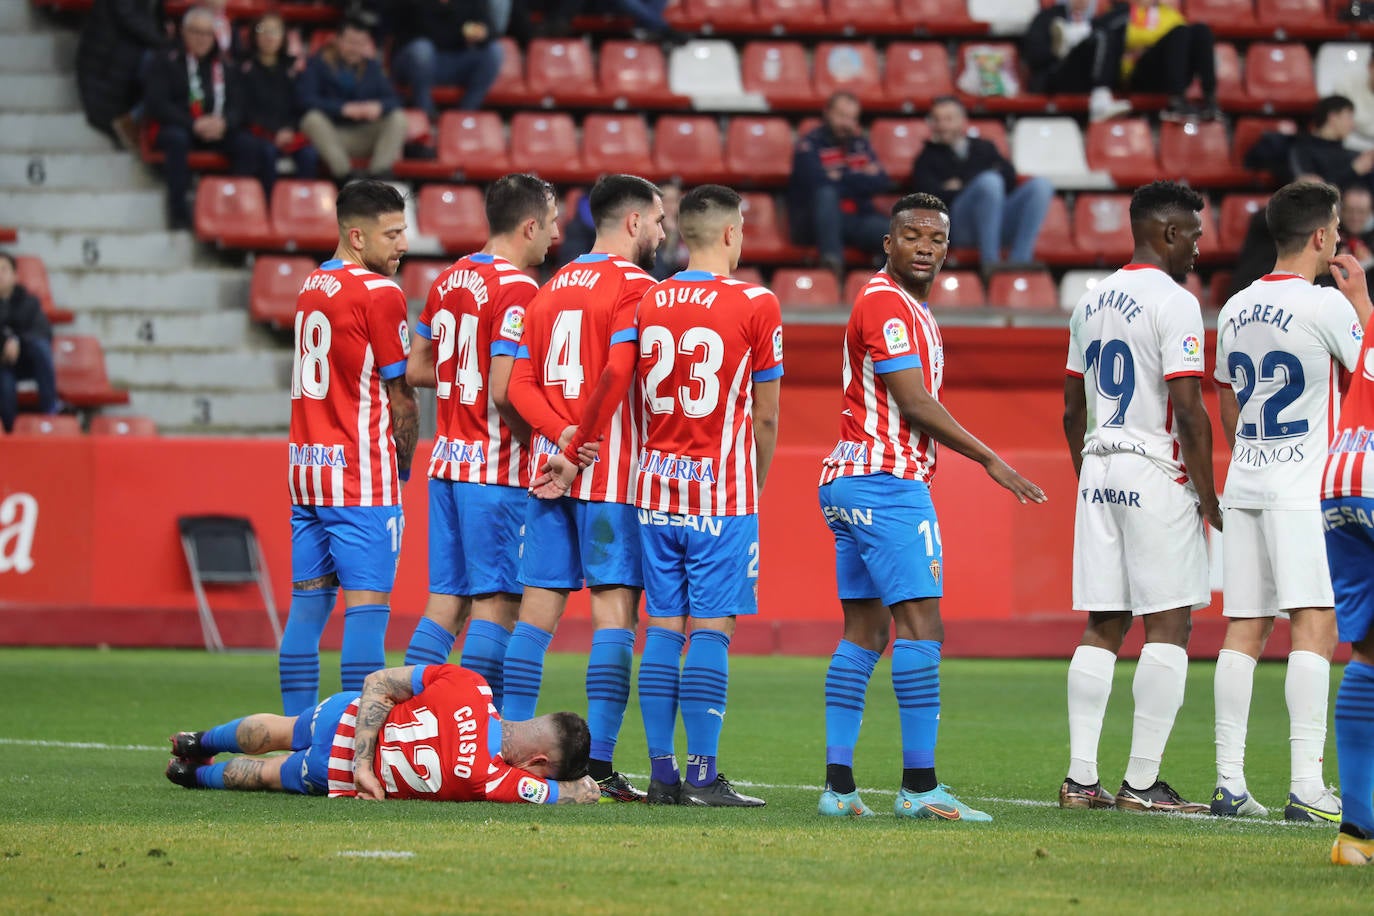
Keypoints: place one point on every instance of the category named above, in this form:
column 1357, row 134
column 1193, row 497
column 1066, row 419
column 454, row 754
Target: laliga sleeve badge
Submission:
column 513, row 325
column 532, row 790
column 403, row 331
column 1356, row 331
column 896, row 337
column 777, row 344
column 1192, row 348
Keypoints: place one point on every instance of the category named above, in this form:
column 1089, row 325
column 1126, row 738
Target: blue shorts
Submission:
column 1349, row 524
column 360, row 544
column 887, row 539
column 700, row 565
column 474, row 538
column 572, row 541
column 306, row 772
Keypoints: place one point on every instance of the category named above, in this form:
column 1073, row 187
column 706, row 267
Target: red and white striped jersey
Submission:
column 443, row 744
column 570, row 325
column 1353, row 438
column 704, row 340
column 888, row 331
column 351, row 338
column 475, row 311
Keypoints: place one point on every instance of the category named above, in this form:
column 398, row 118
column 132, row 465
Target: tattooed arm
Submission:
column 382, row 690
column 583, row 791
column 405, row 423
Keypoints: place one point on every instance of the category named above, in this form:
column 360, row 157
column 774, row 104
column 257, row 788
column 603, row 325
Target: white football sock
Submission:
column 1090, row 685
column 1160, row 679
column 1235, row 682
column 1306, row 688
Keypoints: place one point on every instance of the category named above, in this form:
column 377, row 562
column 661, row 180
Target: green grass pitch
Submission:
column 98, row 829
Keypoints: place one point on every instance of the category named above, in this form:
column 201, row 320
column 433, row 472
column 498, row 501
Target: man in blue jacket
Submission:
column 835, row 174
column 446, row 43
column 351, row 108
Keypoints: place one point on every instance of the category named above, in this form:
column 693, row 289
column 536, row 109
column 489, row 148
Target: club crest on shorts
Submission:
column 895, row 336
column 935, row 570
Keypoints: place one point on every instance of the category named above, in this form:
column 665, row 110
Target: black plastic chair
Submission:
column 224, row 550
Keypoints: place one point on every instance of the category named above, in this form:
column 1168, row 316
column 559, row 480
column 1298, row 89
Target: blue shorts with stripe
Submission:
column 700, row 565
column 475, row 531
column 887, row 538
column 360, row 544
column 1349, row 524
column 569, row 542
column 306, row 772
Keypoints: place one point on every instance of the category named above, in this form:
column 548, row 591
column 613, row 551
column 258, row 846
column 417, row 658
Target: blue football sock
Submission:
column 298, row 665
column 705, row 677
column 916, row 681
column 222, row 739
column 212, row 776
column 658, row 687
column 524, row 671
column 484, row 651
column 846, row 689
column 430, row 644
column 608, row 688
column 1355, row 745
column 364, row 644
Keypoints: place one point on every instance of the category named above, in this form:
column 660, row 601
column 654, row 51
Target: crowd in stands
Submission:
column 25, row 345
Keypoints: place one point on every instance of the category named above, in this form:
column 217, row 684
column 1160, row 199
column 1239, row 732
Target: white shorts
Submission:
column 1274, row 560
column 1138, row 542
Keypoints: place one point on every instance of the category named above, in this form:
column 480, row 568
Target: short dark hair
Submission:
column 6, row 256
column 367, row 198
column 1158, row 199
column 700, row 205
column 356, row 23
column 838, row 95
column 1328, row 106
column 613, row 195
column 948, row 100
column 572, row 746
column 918, row 201
column 512, row 199
column 1297, row 210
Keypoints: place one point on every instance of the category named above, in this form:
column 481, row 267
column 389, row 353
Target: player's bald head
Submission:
column 613, row 196
column 705, row 211
column 366, row 200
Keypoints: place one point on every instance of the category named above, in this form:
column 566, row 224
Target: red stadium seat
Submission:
column 1220, row 12
column 303, row 215
column 633, row 74
column 748, row 275
column 474, row 143
column 418, row 276
column 417, row 127
column 957, row 289
column 510, row 87
column 105, row 425
column 1023, row 290
column 615, row 143
column 994, row 130
column 32, row 424
column 31, row 274
column 778, row 70
column 898, row 142
column 1280, row 74
column 81, row 378
column 688, row 147
column 799, row 289
column 1236, row 211
column 560, row 69
column 715, row 16
column 793, row 15
column 1200, row 152
column 1290, row 13
column 939, row 17
column 854, row 281
column 758, row 151
column 766, row 239
column 1231, row 92
column 1249, row 130
column 232, row 212
column 1056, row 244
column 1124, row 148
column 851, row 66
column 917, row 73
column 454, row 214
column 1219, row 289
column 1102, row 226
column 545, row 144
column 863, row 16
column 1209, row 245
column 276, row 285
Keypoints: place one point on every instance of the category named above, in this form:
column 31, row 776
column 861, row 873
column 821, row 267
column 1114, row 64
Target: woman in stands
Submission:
column 269, row 84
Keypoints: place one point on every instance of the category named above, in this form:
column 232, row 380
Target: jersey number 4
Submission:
column 310, row 368
column 457, row 344
column 563, row 364
column 704, row 346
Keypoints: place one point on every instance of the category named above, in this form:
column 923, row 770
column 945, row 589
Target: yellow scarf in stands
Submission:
column 1147, row 25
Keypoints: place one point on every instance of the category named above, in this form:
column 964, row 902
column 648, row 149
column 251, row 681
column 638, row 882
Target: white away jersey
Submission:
column 1128, row 336
column 1277, row 341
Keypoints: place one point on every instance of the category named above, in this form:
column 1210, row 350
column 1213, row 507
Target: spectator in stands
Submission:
column 25, row 346
column 987, row 206
column 1322, row 152
column 579, row 235
column 446, row 43
column 1165, row 53
column 109, row 58
column 835, row 175
column 195, row 99
column 351, row 107
column 226, row 37
column 1357, row 225
column 1073, row 48
column 271, row 110
column 1359, row 89
column 672, row 251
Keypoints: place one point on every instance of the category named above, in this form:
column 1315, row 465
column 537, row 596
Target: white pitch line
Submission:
column 376, row 854
column 82, row 745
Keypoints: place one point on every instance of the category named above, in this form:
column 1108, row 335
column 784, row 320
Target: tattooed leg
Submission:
column 265, row 732
column 254, row 774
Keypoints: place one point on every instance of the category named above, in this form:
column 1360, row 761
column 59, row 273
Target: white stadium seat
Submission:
column 709, row 72
column 1076, row 283
column 1053, row 148
column 1337, row 61
column 1005, row 17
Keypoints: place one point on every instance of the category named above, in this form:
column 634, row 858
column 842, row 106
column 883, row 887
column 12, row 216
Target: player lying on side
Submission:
column 423, row 731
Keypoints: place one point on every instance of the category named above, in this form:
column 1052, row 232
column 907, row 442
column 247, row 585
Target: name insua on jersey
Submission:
column 587, row 279
column 676, row 467
column 1116, row 299
column 469, row 280
column 324, row 282
column 318, row 456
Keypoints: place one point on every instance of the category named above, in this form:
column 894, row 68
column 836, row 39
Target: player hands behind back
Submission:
column 1141, row 445
column 875, row 496
column 709, row 360
column 479, row 469
column 353, row 431
column 1278, row 344
column 440, row 736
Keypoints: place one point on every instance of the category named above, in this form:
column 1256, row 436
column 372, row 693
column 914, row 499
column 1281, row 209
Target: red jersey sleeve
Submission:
column 766, row 342
column 508, row 318
column 424, row 325
column 887, row 333
column 527, row 394
column 506, row 783
column 387, row 330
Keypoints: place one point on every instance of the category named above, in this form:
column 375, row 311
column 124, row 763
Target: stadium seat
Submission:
column 1050, row 147
column 417, row 276
column 1236, row 210
column 799, row 289
column 81, row 378
column 748, row 275
column 898, row 142
column 275, row 286
column 1222, row 15
column 615, row 143
column 851, row 66
column 1231, row 92
column 1200, row 153
column 688, row 147
column 778, row 70
column 633, row 74
column 707, row 70
column 714, row 16
column 1056, row 243
column 1338, row 62
column 474, row 144
column 510, row 87
column 1280, row 75
column 758, row 151
column 1209, row 245
column 994, row 130
column 793, row 15
column 560, row 71
column 105, row 425
column 917, row 73
column 1219, row 288
column 957, row 289
column 1249, row 130
column 1102, row 226
column 454, row 214
column 1193, row 284
column 1009, row 17
column 853, row 282
column 1294, row 16
column 766, row 239
column 863, row 17
column 1125, row 149
column 31, row 273
column 546, row 144
column 232, row 212
column 939, row 17
column 1022, row 290
column 1077, row 282
column 32, row 424
column 303, row 215
column 1023, row 101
